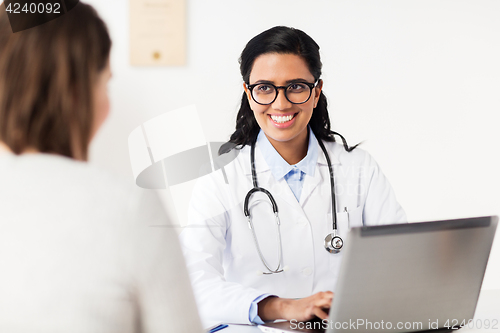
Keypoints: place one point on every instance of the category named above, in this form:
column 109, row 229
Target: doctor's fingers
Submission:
column 322, row 305
column 320, row 313
column 312, row 311
column 317, row 304
column 322, row 299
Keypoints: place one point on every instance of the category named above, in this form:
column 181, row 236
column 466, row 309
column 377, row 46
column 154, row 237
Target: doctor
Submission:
column 267, row 265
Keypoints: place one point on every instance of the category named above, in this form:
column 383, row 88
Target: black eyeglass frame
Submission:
column 276, row 88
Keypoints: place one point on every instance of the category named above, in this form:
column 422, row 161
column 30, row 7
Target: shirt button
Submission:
column 307, row 271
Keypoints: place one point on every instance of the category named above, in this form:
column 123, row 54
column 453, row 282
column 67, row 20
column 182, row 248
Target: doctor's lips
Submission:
column 282, row 120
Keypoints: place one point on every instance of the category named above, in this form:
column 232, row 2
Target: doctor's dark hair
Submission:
column 48, row 76
column 281, row 40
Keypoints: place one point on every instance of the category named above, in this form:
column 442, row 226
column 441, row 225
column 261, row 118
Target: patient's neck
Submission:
column 4, row 148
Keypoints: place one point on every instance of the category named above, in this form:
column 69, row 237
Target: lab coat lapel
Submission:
column 263, row 171
column 310, row 184
column 321, row 174
column 280, row 188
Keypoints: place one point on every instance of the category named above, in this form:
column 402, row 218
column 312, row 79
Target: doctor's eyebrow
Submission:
column 286, row 82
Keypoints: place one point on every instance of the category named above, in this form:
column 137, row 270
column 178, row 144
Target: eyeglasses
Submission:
column 295, row 92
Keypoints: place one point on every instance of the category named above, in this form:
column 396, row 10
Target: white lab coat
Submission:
column 224, row 265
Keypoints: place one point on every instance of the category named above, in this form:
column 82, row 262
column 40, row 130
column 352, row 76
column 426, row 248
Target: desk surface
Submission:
column 487, row 311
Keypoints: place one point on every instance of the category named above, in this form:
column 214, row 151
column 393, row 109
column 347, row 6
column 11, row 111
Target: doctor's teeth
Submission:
column 281, row 119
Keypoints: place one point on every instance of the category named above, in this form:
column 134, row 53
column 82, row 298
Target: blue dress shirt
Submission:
column 294, row 176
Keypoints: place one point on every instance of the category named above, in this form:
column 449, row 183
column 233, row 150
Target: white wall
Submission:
column 417, row 80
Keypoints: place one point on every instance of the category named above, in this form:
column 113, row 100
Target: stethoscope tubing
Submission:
column 332, row 185
column 256, row 188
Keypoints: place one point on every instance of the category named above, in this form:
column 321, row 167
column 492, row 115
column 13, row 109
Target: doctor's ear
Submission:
column 317, row 91
column 247, row 92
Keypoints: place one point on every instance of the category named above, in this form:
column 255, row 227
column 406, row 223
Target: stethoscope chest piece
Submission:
column 333, row 243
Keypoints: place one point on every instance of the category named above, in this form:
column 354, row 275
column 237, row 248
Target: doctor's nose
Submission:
column 281, row 102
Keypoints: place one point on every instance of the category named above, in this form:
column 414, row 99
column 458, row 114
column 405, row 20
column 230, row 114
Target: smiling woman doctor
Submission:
column 263, row 242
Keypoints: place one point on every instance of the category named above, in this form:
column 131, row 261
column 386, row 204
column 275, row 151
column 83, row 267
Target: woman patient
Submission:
column 79, row 250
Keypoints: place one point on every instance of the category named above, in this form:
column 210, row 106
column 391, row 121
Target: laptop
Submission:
column 406, row 278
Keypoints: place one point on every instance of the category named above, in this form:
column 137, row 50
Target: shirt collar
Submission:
column 279, row 167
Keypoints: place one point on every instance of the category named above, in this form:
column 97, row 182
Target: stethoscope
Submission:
column 333, row 242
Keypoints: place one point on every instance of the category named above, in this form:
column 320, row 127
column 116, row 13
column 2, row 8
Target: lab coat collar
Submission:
column 267, row 180
column 279, row 167
column 262, row 166
column 260, row 162
column 332, row 153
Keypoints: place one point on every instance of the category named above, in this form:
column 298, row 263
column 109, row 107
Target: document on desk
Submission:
column 157, row 32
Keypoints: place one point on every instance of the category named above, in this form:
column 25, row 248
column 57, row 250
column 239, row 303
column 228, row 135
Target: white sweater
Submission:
column 83, row 252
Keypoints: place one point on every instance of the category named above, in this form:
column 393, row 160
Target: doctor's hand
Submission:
column 302, row 309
